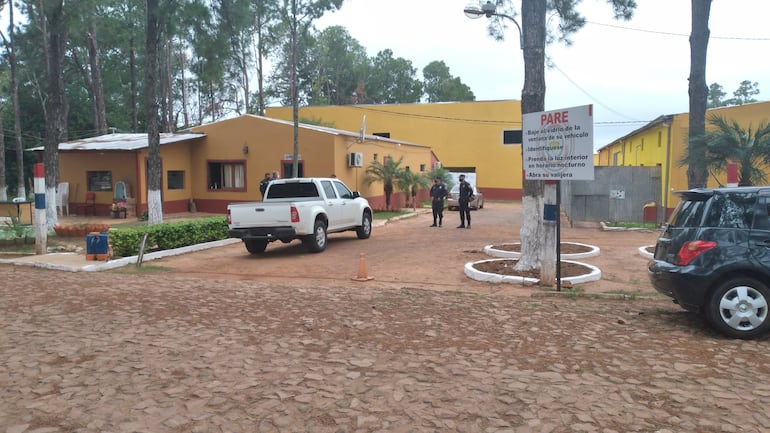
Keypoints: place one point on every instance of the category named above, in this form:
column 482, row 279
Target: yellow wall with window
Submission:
column 241, row 149
column 74, row 167
column 322, row 151
column 461, row 134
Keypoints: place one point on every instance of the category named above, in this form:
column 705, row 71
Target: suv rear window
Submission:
column 689, row 212
column 734, row 210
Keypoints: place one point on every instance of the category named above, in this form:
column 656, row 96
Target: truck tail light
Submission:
column 229, row 217
column 294, row 215
column 691, row 250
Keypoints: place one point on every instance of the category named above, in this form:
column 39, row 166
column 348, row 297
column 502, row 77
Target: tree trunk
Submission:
column 97, row 89
column 260, row 73
column 697, row 174
column 294, row 88
column 21, row 190
column 3, row 188
column 56, row 120
column 154, row 199
column 169, row 87
column 183, row 68
column 533, row 13
column 133, row 79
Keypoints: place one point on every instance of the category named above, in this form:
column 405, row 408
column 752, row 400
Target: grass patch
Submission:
column 384, row 215
column 631, row 225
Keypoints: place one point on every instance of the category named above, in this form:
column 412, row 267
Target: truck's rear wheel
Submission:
column 317, row 241
column 365, row 229
column 255, row 246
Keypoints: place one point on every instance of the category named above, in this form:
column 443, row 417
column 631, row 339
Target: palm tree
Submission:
column 409, row 182
column 443, row 174
column 729, row 142
column 386, row 173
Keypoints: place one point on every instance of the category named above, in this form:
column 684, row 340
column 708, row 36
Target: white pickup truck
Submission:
column 300, row 208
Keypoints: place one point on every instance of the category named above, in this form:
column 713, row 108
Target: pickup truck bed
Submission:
column 305, row 208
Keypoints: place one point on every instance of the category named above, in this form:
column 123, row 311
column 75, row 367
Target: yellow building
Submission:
column 663, row 142
column 223, row 162
column 464, row 136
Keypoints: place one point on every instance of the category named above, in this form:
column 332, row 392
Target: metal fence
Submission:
column 618, row 194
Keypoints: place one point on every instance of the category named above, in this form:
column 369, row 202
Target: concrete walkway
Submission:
column 76, row 262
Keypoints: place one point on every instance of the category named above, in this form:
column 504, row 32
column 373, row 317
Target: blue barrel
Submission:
column 97, row 246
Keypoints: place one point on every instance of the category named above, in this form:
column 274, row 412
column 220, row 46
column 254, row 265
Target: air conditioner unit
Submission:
column 355, row 159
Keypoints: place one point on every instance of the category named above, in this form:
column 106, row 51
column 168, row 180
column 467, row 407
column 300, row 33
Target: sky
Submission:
column 631, row 71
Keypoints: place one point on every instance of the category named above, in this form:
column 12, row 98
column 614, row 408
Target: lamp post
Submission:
column 489, row 10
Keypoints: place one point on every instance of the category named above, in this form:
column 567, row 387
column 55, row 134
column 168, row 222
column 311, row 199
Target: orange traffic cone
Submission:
column 361, row 275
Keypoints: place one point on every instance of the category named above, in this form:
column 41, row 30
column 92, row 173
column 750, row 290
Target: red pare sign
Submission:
column 554, row 117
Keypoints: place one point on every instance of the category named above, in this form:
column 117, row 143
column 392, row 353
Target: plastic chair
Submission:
column 121, row 191
column 63, row 198
column 89, row 204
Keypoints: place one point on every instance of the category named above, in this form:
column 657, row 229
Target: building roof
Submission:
column 328, row 130
column 664, row 120
column 122, row 141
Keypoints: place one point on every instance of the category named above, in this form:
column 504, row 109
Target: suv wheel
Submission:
column 738, row 308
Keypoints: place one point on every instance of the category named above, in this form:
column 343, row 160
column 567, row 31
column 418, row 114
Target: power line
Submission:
column 658, row 32
column 598, row 102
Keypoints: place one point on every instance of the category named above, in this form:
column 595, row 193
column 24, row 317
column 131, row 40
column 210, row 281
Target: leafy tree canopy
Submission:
column 744, row 94
column 441, row 86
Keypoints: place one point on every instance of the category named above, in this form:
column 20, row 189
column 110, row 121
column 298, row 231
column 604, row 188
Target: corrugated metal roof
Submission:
column 329, row 130
column 122, row 141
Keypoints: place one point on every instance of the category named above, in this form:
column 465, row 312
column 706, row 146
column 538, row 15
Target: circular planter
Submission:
column 594, row 274
column 644, row 253
column 490, row 250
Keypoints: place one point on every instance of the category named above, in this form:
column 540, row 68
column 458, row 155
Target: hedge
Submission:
column 166, row 236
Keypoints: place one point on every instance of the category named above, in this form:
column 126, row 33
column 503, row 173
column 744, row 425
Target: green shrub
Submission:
column 166, row 236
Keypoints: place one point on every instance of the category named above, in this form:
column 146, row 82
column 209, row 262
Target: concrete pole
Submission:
column 550, row 220
column 41, row 228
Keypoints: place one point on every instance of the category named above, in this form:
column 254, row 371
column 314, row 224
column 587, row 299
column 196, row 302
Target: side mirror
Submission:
column 356, row 194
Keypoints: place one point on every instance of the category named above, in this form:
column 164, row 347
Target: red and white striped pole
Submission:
column 41, row 226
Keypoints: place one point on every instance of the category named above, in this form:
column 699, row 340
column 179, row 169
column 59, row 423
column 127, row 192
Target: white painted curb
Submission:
column 123, row 261
column 490, row 250
column 644, row 253
column 477, row 275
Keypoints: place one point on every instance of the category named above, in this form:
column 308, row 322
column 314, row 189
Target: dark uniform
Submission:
column 466, row 192
column 438, row 193
column 263, row 184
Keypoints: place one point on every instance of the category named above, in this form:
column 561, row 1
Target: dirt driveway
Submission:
column 220, row 341
column 409, row 253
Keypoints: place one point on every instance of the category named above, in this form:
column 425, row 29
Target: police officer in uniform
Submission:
column 263, row 184
column 438, row 193
column 466, row 192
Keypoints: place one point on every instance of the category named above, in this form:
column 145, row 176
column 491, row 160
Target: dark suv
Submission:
column 713, row 257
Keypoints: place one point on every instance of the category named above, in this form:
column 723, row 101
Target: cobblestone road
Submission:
column 110, row 352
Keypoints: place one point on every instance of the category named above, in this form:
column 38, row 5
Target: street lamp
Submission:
column 489, row 10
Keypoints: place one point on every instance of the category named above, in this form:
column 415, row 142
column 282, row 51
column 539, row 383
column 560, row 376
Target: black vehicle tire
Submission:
column 365, row 229
column 255, row 246
column 738, row 308
column 317, row 241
